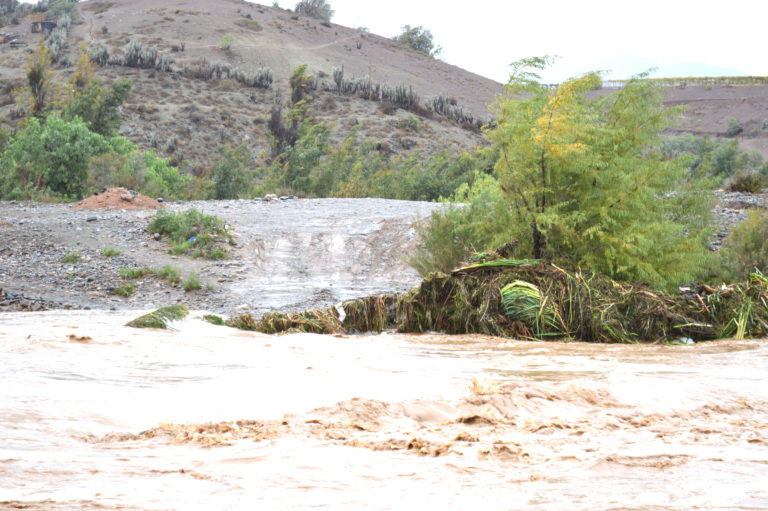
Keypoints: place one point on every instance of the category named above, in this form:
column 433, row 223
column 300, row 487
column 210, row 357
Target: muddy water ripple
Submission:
column 94, row 415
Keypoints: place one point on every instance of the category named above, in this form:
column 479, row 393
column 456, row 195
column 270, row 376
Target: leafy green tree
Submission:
column 419, row 39
column 318, row 9
column 231, row 173
column 99, row 106
column 50, row 156
column 587, row 182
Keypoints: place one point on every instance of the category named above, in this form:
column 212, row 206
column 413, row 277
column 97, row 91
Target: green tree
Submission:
column 231, row 173
column 49, row 156
column 318, row 9
column 419, row 39
column 99, row 106
column 587, row 182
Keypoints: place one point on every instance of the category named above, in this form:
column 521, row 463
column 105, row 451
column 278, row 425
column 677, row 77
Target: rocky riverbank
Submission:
column 289, row 254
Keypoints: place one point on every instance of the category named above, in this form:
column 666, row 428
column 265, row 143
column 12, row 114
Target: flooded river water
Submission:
column 95, row 415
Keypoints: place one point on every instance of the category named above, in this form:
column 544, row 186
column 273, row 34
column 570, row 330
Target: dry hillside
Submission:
column 186, row 118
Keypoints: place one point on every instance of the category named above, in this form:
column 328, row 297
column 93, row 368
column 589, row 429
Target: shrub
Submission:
column 192, row 283
column 452, row 235
column 50, row 156
column 109, row 252
column 72, row 257
column 746, row 182
column 99, row 107
column 412, row 123
column 135, row 55
column 225, row 43
column 125, row 291
column 419, row 39
column 135, row 273
column 734, row 127
column 249, row 23
column 231, row 174
column 193, row 232
column 318, row 9
column 170, row 274
column 746, row 248
column 100, row 56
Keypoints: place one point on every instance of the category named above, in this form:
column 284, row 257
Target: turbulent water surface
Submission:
column 96, row 415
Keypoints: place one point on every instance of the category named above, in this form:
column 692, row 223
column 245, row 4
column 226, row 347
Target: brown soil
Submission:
column 117, row 198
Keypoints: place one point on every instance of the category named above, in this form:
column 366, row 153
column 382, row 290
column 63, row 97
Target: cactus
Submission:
column 338, row 77
column 165, row 64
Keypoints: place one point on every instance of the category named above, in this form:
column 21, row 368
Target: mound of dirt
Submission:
column 118, row 198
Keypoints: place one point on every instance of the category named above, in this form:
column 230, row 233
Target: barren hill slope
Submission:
column 185, row 117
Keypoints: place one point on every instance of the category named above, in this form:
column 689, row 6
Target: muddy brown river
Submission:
column 95, row 415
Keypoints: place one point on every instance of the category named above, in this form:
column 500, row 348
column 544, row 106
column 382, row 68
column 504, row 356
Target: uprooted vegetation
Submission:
column 160, row 318
column 529, row 299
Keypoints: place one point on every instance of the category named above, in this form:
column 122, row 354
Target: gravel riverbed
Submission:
column 289, row 254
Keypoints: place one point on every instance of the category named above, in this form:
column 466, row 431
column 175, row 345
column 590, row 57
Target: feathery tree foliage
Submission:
column 587, row 182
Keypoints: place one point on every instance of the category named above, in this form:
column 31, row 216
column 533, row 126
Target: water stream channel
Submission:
column 95, row 415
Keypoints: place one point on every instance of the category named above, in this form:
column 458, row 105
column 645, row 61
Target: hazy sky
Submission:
column 485, row 36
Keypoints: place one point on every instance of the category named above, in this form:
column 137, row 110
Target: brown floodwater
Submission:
column 95, row 415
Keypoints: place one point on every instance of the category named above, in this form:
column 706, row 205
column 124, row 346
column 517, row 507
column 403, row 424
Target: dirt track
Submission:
column 291, row 254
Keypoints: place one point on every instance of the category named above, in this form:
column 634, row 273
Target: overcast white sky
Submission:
column 485, row 36
column 625, row 37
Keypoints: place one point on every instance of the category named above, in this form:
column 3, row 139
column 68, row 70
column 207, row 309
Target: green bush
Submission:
column 225, row 43
column 479, row 219
column 109, row 252
column 734, row 127
column 419, row 39
column 49, row 157
column 125, row 291
column 170, row 274
column 192, row 283
column 136, row 273
column 318, row 9
column 193, row 232
column 231, row 175
column 746, row 182
column 745, row 248
column 72, row 257
column 99, row 107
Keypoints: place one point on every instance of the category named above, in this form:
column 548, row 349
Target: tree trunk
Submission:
column 539, row 241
